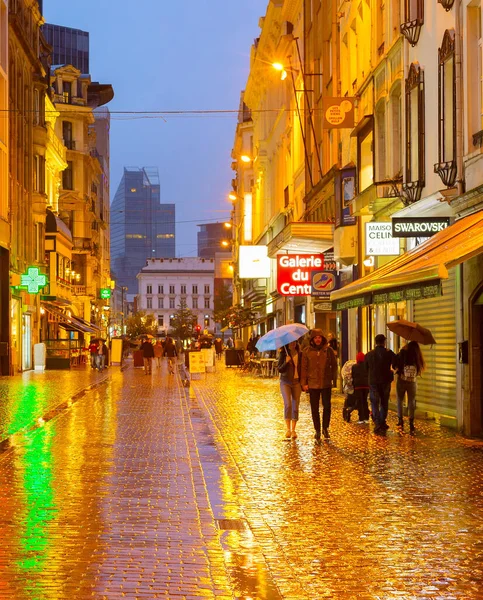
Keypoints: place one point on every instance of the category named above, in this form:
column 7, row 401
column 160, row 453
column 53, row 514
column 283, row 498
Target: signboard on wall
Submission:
column 253, row 262
column 379, row 240
column 326, row 281
column 345, row 192
column 295, row 273
column 404, row 227
column 338, row 113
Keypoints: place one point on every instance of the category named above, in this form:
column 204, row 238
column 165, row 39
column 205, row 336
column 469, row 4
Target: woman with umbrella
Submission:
column 409, row 365
column 289, row 367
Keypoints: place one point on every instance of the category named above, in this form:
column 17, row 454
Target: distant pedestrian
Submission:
column 290, row 368
column 409, row 365
column 101, row 356
column 379, row 362
column 229, row 343
column 158, row 353
column 218, row 347
column 319, row 374
column 360, row 383
column 93, row 354
column 148, row 355
column 333, row 343
column 171, row 352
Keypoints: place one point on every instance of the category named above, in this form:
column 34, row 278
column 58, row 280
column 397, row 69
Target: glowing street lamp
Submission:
column 232, row 196
column 245, row 158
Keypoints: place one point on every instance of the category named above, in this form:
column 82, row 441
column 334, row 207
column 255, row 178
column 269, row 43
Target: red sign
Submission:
column 294, row 273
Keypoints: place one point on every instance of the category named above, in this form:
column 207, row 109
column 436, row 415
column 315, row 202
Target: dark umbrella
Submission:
column 413, row 332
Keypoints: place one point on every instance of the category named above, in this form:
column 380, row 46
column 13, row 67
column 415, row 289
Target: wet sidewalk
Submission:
column 144, row 489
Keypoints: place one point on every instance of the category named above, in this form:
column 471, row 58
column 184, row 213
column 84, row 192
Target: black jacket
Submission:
column 148, row 350
column 360, row 376
column 286, row 369
column 379, row 362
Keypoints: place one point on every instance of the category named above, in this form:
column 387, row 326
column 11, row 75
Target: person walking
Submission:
column 289, row 367
column 148, row 355
column 409, row 365
column 101, row 355
column 158, row 353
column 360, row 383
column 170, row 352
column 379, row 362
column 218, row 347
column 93, row 354
column 318, row 376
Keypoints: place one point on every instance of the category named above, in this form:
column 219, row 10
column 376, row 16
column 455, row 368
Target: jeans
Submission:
column 291, row 399
column 147, row 364
column 100, row 359
column 379, row 394
column 315, row 395
column 360, row 397
column 403, row 387
column 93, row 360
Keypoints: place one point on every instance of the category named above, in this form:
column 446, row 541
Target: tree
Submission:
column 140, row 323
column 183, row 322
column 223, row 302
column 237, row 316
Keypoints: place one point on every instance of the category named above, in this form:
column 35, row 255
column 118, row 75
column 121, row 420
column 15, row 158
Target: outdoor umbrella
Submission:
column 413, row 332
column 276, row 338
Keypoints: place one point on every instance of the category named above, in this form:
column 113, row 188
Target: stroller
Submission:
column 348, row 389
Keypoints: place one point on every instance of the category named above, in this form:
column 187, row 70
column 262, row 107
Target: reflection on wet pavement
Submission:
column 140, row 488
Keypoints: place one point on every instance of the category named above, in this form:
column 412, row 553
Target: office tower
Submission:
column 213, row 238
column 70, row 46
column 141, row 227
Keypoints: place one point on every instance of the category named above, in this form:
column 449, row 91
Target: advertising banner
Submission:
column 338, row 113
column 326, row 281
column 197, row 362
column 294, row 273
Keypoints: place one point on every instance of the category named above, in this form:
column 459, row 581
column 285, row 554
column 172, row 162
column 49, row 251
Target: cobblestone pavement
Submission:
column 140, row 488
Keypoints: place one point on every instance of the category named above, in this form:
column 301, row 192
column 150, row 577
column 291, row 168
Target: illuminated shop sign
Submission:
column 404, row 227
column 33, row 280
column 379, row 240
column 253, row 262
column 295, row 273
column 105, row 293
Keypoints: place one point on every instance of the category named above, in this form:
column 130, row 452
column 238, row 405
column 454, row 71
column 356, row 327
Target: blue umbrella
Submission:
column 281, row 337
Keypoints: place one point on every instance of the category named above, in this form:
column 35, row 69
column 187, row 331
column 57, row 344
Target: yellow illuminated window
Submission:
column 165, row 236
column 133, row 190
column 136, row 236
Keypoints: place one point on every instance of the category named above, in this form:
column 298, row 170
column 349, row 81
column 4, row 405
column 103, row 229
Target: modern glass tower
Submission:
column 70, row 46
column 141, row 227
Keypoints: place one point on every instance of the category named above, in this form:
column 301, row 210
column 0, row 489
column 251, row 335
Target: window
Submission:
column 160, row 289
column 160, row 302
column 365, row 153
column 381, row 140
column 195, row 302
column 67, row 91
column 413, row 20
column 39, row 173
column 207, row 303
column 195, row 289
column 67, row 135
column 36, row 107
column 149, row 303
column 149, row 289
column 171, row 289
column 474, row 76
column 171, row 303
column 160, row 321
column 446, row 167
column 68, row 177
column 183, row 289
column 207, row 289
column 414, row 177
column 396, row 131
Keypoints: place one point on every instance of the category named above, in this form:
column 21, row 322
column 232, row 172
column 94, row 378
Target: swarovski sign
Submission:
column 404, row 227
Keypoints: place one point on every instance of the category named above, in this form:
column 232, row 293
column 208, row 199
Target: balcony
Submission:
column 79, row 290
column 82, row 245
column 302, row 237
column 69, row 144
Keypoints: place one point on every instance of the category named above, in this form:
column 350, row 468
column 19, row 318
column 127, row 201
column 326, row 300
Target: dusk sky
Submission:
column 178, row 55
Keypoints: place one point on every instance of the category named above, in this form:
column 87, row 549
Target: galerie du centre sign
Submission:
column 296, row 272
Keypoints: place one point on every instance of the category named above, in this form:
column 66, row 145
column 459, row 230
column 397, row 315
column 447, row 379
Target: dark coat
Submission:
column 360, row 376
column 170, row 350
column 148, row 349
column 319, row 366
column 286, row 369
column 379, row 362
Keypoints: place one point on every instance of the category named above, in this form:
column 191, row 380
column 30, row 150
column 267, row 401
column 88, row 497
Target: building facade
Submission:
column 164, row 283
column 213, row 238
column 4, row 199
column 141, row 228
column 69, row 46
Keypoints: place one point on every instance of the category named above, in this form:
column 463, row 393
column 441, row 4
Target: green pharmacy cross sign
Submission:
column 105, row 293
column 33, row 280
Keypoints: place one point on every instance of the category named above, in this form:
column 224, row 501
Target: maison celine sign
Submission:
column 403, row 227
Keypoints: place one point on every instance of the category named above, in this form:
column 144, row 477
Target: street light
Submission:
column 245, row 158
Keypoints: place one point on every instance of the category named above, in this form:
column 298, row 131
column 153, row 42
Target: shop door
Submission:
column 26, row 342
column 476, row 367
column 437, row 386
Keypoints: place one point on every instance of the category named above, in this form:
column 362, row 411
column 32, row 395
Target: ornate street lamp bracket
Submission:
column 411, row 192
column 446, row 4
column 447, row 172
column 411, row 30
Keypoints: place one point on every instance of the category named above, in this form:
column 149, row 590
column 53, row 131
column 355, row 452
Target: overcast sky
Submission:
column 171, row 55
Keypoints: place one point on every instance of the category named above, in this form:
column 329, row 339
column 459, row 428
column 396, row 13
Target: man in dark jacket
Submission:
column 379, row 362
column 148, row 355
column 318, row 376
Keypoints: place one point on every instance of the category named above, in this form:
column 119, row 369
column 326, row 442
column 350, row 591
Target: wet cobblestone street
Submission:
column 140, row 488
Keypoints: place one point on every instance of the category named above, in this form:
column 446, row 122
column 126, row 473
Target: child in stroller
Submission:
column 348, row 389
column 356, row 387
